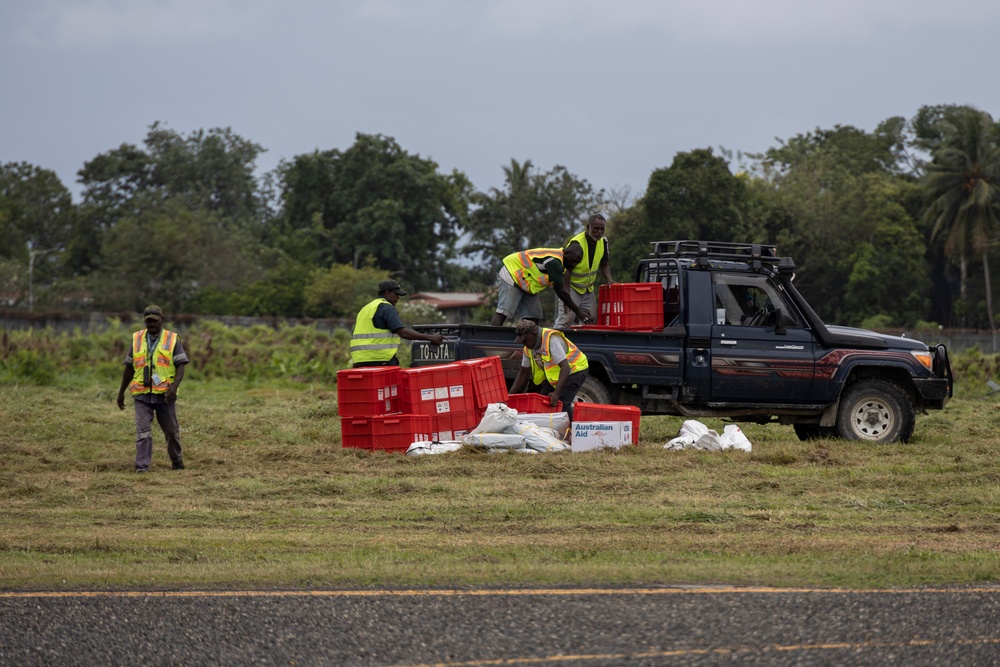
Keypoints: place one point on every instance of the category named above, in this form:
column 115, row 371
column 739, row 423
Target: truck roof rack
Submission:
column 755, row 254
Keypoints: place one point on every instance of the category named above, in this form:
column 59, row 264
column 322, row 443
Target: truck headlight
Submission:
column 926, row 359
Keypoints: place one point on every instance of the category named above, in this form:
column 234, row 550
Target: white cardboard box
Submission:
column 596, row 435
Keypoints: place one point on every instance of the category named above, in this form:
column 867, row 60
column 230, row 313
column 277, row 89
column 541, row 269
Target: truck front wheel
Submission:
column 593, row 391
column 875, row 410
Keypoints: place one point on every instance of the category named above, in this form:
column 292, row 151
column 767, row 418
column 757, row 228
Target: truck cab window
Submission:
column 750, row 300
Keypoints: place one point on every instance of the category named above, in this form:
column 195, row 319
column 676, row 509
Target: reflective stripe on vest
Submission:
column 526, row 273
column 577, row 359
column 162, row 372
column 369, row 343
column 583, row 277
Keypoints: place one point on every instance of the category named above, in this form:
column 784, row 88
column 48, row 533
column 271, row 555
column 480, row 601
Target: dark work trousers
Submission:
column 166, row 416
column 569, row 390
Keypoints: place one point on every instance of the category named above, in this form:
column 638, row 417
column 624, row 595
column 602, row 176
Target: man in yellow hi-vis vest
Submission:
column 553, row 364
column 377, row 329
column 524, row 274
column 583, row 277
column 154, row 368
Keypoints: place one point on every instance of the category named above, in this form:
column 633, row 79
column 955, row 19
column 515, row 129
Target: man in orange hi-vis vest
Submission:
column 154, row 368
column 551, row 365
column 524, row 274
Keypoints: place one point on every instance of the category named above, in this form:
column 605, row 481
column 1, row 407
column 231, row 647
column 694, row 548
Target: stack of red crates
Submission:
column 452, row 395
column 631, row 306
column 369, row 401
column 598, row 412
column 385, row 407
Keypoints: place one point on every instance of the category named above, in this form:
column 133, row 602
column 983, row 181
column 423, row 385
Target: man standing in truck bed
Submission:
column 583, row 277
column 524, row 274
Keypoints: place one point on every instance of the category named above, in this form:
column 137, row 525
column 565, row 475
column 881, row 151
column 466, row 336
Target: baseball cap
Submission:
column 391, row 286
column 153, row 311
column 523, row 327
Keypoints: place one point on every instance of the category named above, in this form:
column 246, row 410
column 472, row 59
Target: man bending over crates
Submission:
column 377, row 329
column 527, row 273
column 557, row 368
column 583, row 276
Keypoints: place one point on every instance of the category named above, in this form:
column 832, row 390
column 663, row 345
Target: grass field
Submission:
column 270, row 499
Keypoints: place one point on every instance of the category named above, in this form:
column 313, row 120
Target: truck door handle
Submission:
column 728, row 342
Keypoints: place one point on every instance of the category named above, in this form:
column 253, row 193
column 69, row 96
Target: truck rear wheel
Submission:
column 593, row 391
column 875, row 410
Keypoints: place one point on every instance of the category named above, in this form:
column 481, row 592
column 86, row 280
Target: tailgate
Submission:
column 425, row 353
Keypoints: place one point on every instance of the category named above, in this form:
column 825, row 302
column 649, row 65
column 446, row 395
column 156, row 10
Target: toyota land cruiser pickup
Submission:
column 738, row 342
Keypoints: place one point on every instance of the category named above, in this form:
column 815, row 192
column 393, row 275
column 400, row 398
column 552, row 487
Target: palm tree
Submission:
column 963, row 185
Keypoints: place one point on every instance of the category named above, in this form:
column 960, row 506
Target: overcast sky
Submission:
column 610, row 89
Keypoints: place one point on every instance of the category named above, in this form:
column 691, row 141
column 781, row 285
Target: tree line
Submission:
column 893, row 227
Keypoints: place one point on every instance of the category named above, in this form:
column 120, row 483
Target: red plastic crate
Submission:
column 631, row 306
column 488, row 382
column 435, row 390
column 356, row 432
column 398, row 432
column 532, row 404
column 368, row 391
column 599, row 412
column 453, row 425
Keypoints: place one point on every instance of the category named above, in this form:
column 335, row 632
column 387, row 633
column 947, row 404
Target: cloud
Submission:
column 101, row 23
column 98, row 23
column 737, row 22
column 734, row 21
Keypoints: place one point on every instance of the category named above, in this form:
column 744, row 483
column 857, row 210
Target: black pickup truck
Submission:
column 739, row 342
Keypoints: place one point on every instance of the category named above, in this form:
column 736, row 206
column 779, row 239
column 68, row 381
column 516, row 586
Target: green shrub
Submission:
column 33, row 366
column 299, row 353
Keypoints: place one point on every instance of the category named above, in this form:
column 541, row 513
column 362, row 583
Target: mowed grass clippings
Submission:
column 271, row 500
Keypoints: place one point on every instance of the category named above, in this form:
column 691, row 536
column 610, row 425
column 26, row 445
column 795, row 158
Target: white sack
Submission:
column 496, row 418
column 494, row 440
column 426, row 447
column 557, row 421
column 539, row 438
column 733, row 438
column 695, row 435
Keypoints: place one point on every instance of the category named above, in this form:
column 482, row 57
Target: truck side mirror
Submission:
column 779, row 322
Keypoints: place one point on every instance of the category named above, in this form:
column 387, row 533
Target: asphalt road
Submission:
column 655, row 626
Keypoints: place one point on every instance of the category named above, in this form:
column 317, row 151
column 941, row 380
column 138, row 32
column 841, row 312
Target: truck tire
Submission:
column 875, row 410
column 593, row 391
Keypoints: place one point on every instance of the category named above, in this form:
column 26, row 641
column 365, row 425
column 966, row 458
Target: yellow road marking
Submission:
column 704, row 651
column 708, row 590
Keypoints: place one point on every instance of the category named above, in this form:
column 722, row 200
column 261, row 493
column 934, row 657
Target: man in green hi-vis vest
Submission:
column 583, row 278
column 377, row 329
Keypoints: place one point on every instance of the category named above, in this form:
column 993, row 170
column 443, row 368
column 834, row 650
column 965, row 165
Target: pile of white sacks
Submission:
column 695, row 435
column 503, row 429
